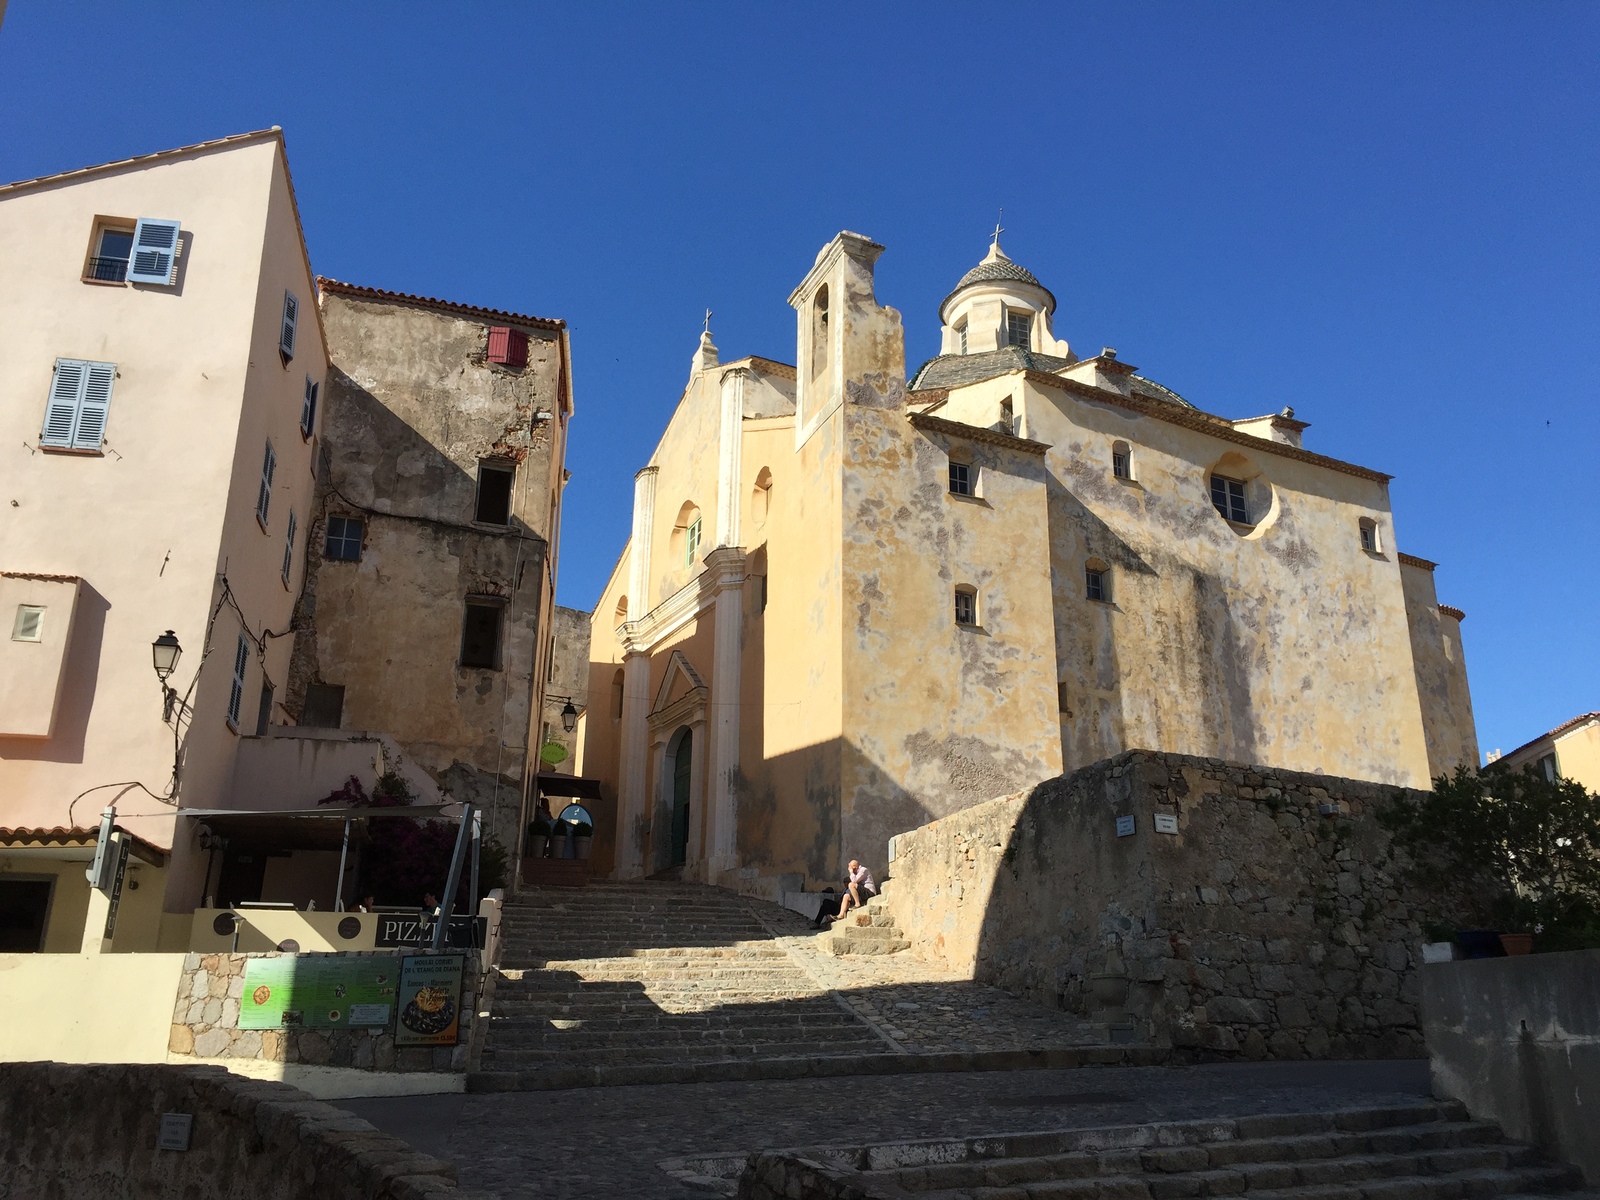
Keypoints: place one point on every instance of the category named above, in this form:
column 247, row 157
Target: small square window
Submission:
column 966, row 606
column 494, row 494
column 29, row 624
column 1096, row 585
column 1369, row 535
column 1227, row 496
column 960, row 479
column 480, row 634
column 343, row 542
column 1121, row 461
column 1018, row 327
column 1062, row 706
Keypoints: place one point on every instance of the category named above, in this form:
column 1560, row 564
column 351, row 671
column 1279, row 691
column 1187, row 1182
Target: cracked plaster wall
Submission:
column 1285, row 643
column 410, row 408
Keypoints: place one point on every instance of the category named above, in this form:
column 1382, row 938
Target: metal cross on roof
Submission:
column 998, row 230
column 708, row 320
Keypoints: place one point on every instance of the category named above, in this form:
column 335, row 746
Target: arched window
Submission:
column 1121, row 460
column 622, row 612
column 761, row 498
column 819, row 333
column 616, row 695
column 1097, row 581
column 686, row 535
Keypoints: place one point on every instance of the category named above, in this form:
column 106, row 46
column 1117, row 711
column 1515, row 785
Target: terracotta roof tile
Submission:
column 467, row 310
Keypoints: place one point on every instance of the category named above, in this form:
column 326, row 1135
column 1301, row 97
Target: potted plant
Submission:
column 538, row 835
column 582, row 836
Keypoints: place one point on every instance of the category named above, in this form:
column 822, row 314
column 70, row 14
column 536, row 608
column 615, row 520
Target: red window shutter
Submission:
column 508, row 347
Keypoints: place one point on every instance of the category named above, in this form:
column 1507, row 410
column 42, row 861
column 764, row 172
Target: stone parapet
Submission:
column 93, row 1130
column 1271, row 922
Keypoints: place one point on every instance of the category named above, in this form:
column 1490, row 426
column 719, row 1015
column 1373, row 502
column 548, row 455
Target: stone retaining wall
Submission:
column 1265, row 927
column 205, row 1025
column 92, row 1130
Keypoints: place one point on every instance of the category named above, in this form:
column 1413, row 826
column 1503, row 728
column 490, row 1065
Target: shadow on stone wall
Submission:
column 1271, row 923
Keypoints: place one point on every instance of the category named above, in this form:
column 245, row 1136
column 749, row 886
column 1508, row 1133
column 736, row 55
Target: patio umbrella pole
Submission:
column 344, row 849
column 447, row 906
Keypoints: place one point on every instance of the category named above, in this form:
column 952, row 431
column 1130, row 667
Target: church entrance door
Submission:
column 683, row 748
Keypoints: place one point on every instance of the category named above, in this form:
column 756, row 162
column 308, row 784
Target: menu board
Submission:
column 429, row 1000
column 319, row 991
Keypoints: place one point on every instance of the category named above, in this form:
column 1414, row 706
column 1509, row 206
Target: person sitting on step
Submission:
column 859, row 888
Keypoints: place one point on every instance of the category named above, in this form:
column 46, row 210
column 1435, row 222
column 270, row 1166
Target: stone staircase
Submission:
column 1423, row 1151
column 606, row 983
column 869, row 929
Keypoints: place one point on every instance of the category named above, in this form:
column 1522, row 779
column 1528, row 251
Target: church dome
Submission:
column 997, row 268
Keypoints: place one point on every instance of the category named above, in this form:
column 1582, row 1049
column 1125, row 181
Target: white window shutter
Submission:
column 96, row 404
column 155, row 252
column 291, row 319
column 66, row 394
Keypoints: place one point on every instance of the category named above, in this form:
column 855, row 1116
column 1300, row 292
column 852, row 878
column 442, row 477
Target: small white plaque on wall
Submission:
column 175, row 1129
column 1124, row 826
column 1166, row 822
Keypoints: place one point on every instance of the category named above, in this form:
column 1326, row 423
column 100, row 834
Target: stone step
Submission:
column 1422, row 1151
column 513, row 1058
column 850, row 942
column 662, row 1039
column 623, row 1016
column 1274, row 1165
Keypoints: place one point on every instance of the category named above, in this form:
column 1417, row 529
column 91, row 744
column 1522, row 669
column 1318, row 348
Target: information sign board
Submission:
column 319, row 991
column 430, row 1000
column 1124, row 826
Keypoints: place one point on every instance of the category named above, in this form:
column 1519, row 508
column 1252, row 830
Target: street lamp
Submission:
column 164, row 654
column 569, row 717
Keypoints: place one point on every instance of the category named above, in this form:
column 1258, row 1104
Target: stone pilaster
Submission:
column 726, row 567
column 632, row 801
column 729, row 492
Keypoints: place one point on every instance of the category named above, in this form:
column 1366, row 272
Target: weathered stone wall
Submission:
column 1264, row 927
column 569, row 677
column 92, row 1130
column 205, row 1024
column 411, row 408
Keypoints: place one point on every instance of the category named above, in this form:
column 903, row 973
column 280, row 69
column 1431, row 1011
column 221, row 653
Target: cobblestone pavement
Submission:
column 607, row 1143
column 920, row 1007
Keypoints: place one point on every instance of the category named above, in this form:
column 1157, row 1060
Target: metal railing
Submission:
column 111, row 270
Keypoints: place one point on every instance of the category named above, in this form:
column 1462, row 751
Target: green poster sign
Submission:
column 319, row 991
column 430, row 1000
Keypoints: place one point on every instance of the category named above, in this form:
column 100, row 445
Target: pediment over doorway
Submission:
column 681, row 695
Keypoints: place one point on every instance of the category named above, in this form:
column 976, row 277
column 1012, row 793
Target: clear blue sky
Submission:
column 1384, row 215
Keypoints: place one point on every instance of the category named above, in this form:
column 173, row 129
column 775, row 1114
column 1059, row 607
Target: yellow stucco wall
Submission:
column 865, row 711
column 85, row 1008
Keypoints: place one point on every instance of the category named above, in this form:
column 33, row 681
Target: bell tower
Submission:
column 844, row 336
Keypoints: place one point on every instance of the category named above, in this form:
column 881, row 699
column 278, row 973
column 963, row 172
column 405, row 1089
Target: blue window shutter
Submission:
column 155, row 252
column 241, row 659
column 66, row 394
column 92, row 412
column 288, row 548
column 291, row 320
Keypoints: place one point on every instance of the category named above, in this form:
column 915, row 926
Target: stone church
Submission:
column 853, row 601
